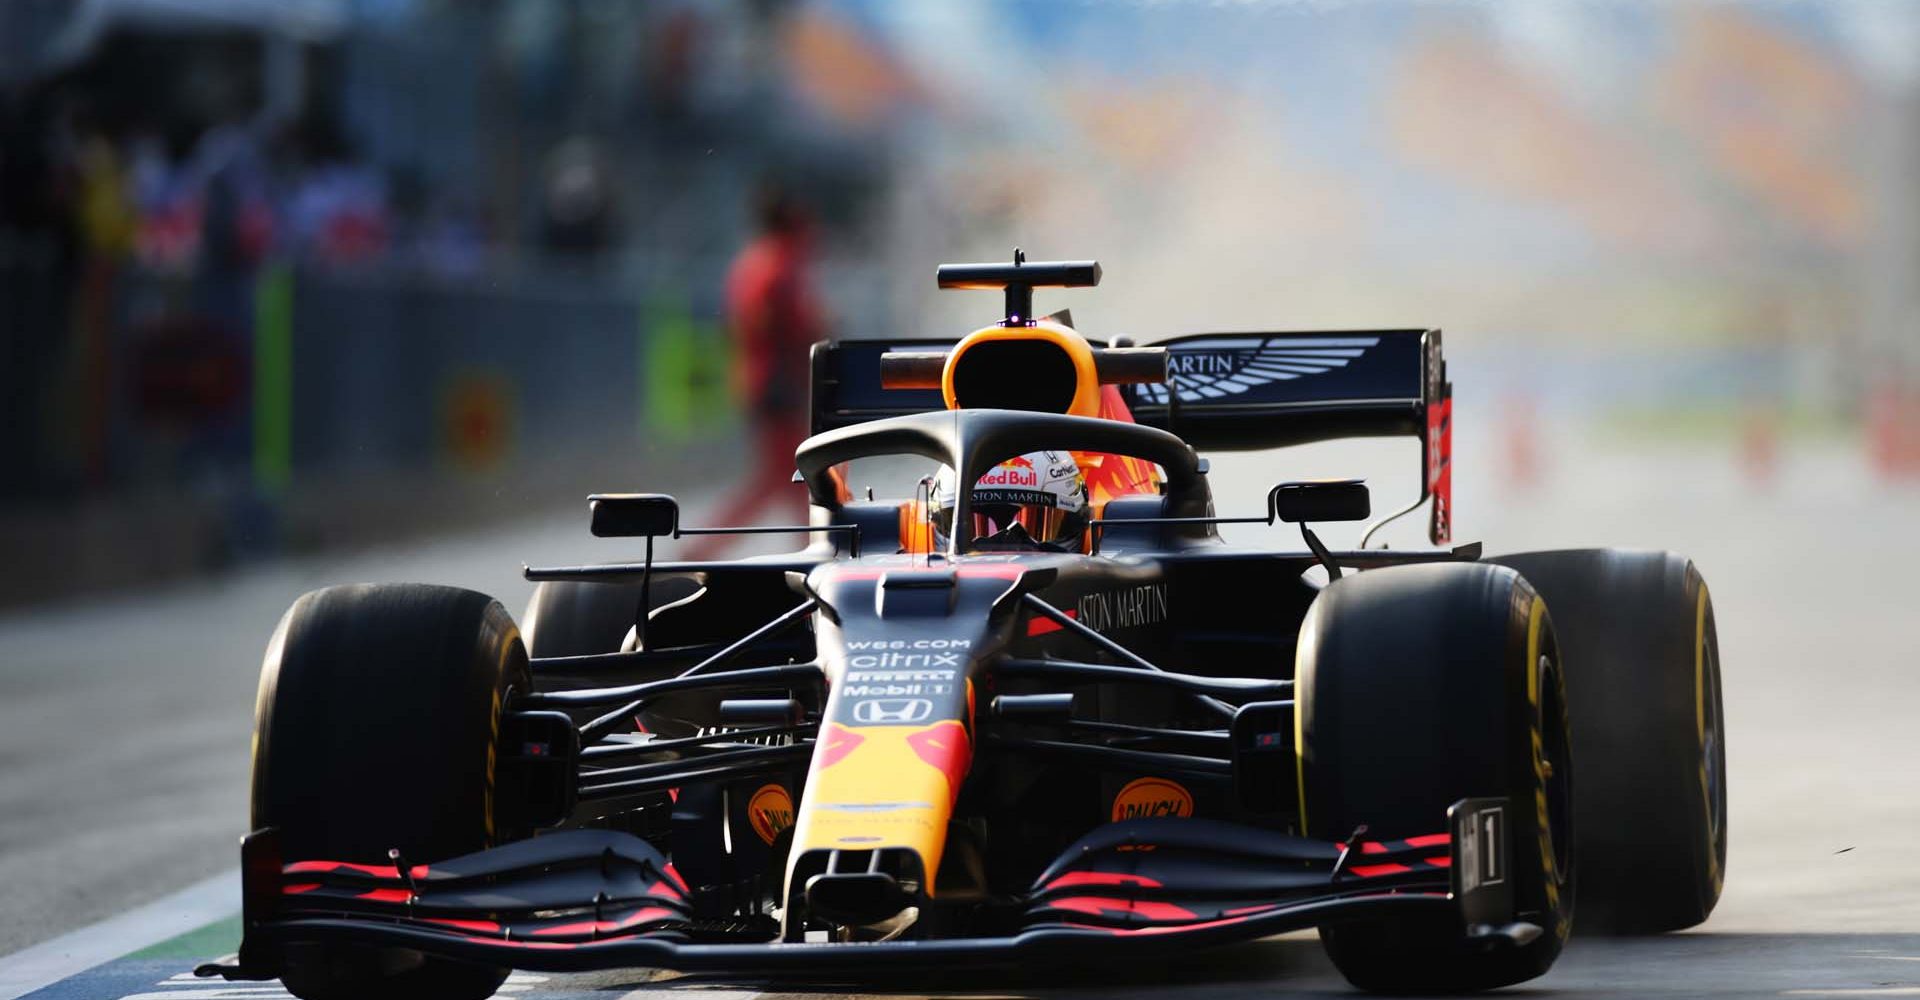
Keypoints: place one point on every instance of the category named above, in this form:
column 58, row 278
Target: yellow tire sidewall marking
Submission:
column 1543, row 827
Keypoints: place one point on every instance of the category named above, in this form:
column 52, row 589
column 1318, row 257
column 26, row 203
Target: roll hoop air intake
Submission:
column 1024, row 362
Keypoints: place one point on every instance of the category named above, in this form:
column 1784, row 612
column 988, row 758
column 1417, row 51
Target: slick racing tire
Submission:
column 376, row 729
column 1643, row 676
column 1416, row 687
column 580, row 618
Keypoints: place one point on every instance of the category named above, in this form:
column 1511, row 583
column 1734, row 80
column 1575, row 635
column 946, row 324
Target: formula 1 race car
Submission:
column 1003, row 720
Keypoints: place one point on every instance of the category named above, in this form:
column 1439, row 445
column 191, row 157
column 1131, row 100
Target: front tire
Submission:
column 375, row 730
column 582, row 617
column 1644, row 671
column 1416, row 687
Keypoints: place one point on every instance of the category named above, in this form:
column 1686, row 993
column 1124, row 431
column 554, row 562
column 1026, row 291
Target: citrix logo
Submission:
column 892, row 660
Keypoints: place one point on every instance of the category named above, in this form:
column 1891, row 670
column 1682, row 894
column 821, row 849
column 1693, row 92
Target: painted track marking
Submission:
column 49, row 962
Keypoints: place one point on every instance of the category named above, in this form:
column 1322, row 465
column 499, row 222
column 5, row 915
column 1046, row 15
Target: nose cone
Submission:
column 896, row 736
column 856, row 898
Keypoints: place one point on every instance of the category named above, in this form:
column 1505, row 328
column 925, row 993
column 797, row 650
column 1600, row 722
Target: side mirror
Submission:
column 634, row 515
column 1320, row 500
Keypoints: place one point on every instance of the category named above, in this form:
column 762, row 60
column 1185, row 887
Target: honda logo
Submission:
column 892, row 711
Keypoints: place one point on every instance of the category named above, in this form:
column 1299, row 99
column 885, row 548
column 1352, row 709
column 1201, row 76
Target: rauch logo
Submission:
column 770, row 811
column 1146, row 798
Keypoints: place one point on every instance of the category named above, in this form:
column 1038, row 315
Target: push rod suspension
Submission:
column 713, row 758
column 1122, row 731
column 635, row 659
column 1078, row 628
column 1114, row 757
column 1246, row 689
column 615, row 751
column 760, row 760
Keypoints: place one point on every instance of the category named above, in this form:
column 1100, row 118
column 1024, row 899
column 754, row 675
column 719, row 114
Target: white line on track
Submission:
column 51, row 961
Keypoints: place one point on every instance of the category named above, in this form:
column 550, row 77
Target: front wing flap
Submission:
column 593, row 899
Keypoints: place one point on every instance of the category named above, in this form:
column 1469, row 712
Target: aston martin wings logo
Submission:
column 1211, row 369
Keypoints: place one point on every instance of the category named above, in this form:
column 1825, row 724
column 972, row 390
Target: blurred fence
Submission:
column 246, row 413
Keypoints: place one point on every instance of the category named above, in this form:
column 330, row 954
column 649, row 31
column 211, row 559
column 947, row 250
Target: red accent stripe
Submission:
column 297, row 889
column 1148, row 908
column 1100, row 878
column 325, row 867
column 386, row 895
column 1373, row 847
column 1430, row 840
column 1369, row 871
column 674, row 874
column 335, row 867
column 641, row 916
column 1042, row 625
column 483, row 926
column 1241, row 911
column 1442, row 861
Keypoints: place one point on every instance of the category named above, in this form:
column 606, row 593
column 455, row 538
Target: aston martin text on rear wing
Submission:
column 1226, row 392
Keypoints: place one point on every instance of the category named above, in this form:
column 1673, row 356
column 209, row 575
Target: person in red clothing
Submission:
column 774, row 318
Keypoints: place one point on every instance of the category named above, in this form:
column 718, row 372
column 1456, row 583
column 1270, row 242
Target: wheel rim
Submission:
column 1558, row 779
column 1713, row 761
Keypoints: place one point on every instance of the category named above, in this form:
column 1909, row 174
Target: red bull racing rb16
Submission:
column 1037, row 711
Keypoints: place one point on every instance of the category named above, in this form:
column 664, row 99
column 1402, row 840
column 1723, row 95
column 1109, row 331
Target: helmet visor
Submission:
column 1041, row 522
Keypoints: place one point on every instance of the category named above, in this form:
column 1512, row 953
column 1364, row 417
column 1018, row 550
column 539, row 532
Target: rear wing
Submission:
column 1227, row 392
column 1250, row 391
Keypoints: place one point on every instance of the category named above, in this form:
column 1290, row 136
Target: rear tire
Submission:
column 1416, row 687
column 1644, row 672
column 376, row 729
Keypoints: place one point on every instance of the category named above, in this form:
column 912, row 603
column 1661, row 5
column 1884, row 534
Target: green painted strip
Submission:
column 273, row 380
column 222, row 937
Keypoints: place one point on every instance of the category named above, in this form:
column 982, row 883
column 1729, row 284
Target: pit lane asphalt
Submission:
column 124, row 726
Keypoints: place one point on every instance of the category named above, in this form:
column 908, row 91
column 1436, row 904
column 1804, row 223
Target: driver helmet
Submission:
column 1039, row 496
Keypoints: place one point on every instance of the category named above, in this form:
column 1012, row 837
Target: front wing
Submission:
column 591, row 899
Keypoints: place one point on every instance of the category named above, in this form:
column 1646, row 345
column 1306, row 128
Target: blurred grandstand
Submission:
column 286, row 273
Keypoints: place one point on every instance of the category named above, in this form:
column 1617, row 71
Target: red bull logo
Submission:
column 1015, row 471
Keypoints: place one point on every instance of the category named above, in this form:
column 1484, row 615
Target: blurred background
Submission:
column 284, row 275
column 300, row 292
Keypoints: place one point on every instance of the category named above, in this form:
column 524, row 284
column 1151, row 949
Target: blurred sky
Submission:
column 1666, row 173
